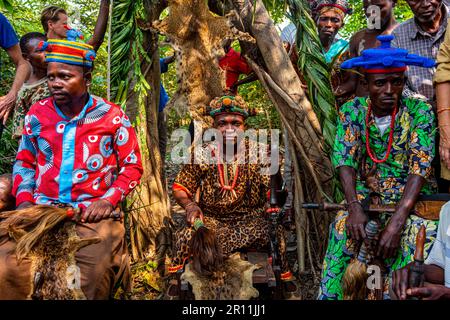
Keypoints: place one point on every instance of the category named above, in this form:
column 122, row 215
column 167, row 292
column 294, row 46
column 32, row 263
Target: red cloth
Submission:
column 76, row 161
column 234, row 65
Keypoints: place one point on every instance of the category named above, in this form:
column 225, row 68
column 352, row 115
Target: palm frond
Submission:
column 317, row 74
column 127, row 51
column 7, row 4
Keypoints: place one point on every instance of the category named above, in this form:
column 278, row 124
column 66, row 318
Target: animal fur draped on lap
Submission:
column 234, row 282
column 28, row 225
column 354, row 281
column 43, row 235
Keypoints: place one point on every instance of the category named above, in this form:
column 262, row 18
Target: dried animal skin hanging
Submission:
column 198, row 37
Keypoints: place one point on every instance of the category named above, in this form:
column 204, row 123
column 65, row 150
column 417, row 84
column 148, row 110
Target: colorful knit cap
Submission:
column 68, row 51
column 342, row 5
column 385, row 59
column 228, row 104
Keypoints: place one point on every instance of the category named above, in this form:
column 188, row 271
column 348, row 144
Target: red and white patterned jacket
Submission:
column 77, row 161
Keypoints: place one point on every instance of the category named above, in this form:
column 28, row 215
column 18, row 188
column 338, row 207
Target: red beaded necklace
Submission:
column 221, row 178
column 391, row 135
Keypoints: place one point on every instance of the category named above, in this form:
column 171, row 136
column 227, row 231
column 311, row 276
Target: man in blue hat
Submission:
column 390, row 138
column 380, row 21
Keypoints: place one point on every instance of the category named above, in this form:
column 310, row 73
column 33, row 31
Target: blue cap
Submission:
column 385, row 59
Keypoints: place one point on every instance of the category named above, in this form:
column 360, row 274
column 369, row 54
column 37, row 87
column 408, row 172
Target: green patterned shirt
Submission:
column 412, row 149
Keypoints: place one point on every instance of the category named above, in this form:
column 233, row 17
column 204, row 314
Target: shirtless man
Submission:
column 367, row 38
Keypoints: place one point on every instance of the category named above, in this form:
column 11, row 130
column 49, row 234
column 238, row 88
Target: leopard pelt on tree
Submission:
column 198, row 37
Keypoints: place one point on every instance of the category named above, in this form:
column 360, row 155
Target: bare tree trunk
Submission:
column 313, row 171
column 294, row 105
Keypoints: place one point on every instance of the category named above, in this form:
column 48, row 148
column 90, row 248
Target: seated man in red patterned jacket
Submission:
column 80, row 151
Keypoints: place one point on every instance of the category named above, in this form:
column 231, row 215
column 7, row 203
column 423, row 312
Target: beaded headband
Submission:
column 228, row 104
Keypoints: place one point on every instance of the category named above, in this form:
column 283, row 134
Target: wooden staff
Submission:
column 416, row 271
column 427, row 207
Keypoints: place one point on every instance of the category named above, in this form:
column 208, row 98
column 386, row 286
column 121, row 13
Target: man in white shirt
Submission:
column 437, row 267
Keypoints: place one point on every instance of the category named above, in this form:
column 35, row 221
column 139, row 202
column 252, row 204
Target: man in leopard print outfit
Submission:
column 232, row 193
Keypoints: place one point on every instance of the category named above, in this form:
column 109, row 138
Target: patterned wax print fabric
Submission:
column 341, row 250
column 238, row 220
column 93, row 156
column 28, row 95
column 337, row 54
column 412, row 152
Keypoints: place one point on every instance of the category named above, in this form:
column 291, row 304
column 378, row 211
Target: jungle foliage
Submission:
column 24, row 16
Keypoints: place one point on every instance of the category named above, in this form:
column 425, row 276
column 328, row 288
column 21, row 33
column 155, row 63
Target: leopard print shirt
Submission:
column 251, row 187
column 28, row 95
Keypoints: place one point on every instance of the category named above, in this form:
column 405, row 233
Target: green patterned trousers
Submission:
column 340, row 251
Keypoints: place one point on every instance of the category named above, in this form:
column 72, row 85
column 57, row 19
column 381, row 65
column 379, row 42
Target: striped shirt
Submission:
column 411, row 37
column 440, row 253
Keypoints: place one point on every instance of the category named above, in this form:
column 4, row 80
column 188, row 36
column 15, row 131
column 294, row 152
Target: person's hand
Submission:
column 25, row 205
column 429, row 292
column 170, row 59
column 400, row 282
column 6, row 106
column 444, row 145
column 193, row 212
column 356, row 222
column 97, row 211
column 390, row 237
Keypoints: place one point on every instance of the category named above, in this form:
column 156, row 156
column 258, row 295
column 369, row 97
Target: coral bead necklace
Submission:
column 391, row 135
column 224, row 185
